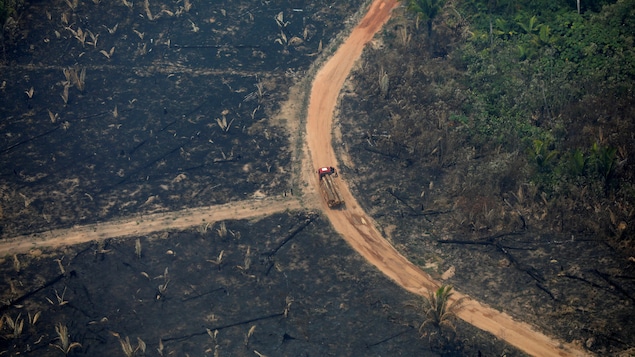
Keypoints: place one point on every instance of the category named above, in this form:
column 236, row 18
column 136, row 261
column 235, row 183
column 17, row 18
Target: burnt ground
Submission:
column 473, row 212
column 174, row 112
column 301, row 303
column 177, row 116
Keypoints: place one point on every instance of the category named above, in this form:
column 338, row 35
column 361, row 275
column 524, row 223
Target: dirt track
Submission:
column 352, row 222
column 359, row 229
column 145, row 224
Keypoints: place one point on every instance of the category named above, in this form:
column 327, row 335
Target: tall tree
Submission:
column 425, row 10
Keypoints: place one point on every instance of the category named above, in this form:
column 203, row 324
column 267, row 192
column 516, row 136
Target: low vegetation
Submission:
column 440, row 315
column 504, row 136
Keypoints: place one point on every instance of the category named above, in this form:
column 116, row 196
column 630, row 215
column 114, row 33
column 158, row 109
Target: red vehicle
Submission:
column 328, row 186
column 326, row 171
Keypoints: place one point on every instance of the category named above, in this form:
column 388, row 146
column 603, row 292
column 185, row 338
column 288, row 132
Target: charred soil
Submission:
column 113, row 110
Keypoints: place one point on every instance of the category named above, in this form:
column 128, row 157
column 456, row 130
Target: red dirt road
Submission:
column 146, row 224
column 351, row 222
column 359, row 229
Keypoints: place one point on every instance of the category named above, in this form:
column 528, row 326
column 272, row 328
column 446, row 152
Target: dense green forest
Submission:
column 548, row 81
column 541, row 72
column 538, row 70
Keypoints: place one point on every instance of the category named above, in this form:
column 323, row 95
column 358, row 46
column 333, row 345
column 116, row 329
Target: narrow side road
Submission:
column 145, row 224
column 359, row 229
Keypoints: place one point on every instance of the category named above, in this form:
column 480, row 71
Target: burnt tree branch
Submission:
column 308, row 220
column 32, row 292
column 390, row 337
column 269, row 256
column 612, row 283
column 491, row 241
column 221, row 327
column 393, row 194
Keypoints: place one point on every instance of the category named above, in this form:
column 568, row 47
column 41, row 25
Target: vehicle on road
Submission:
column 328, row 186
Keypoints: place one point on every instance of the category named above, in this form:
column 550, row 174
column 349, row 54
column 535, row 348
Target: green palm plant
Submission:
column 539, row 34
column 439, row 310
column 604, row 159
column 425, row 10
column 542, row 155
column 503, row 28
column 531, row 26
column 577, row 162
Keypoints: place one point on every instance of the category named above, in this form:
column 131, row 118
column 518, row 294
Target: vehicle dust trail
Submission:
column 360, row 230
column 145, row 224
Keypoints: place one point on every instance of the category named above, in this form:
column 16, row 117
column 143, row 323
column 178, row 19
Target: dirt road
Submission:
column 145, row 224
column 360, row 230
column 352, row 222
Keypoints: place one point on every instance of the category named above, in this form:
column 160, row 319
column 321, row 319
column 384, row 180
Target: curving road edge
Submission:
column 360, row 231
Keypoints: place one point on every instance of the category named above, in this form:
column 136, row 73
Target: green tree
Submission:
column 604, row 160
column 542, row 154
column 425, row 10
column 439, row 311
column 577, row 163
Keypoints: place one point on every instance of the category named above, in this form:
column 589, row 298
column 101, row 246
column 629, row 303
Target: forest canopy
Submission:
column 539, row 74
